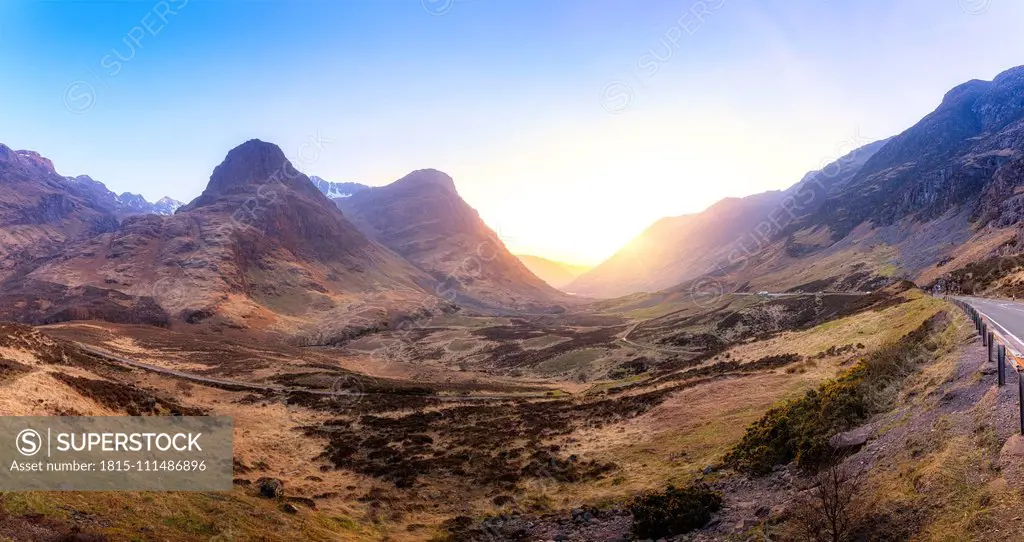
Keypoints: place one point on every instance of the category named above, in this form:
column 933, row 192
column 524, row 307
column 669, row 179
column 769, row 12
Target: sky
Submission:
column 570, row 125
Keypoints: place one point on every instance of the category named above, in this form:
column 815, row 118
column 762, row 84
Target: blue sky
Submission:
column 571, row 125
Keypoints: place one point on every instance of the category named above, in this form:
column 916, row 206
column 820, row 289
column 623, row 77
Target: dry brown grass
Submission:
column 696, row 426
column 943, row 475
column 670, row 443
column 977, row 248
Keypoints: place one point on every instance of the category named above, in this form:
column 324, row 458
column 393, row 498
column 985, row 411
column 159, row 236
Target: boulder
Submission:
column 851, row 439
column 270, row 488
column 289, row 508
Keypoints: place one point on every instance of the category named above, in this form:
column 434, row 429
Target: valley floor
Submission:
column 554, row 422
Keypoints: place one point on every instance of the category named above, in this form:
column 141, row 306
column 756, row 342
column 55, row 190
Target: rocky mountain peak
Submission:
column 26, row 160
column 965, row 91
column 37, row 160
column 253, row 164
column 167, row 206
column 1012, row 76
column 427, row 177
column 128, row 197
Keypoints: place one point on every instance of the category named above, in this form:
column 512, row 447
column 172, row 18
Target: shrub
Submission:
column 799, row 430
column 674, row 511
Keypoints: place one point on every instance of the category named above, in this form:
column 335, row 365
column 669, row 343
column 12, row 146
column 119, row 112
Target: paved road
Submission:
column 1008, row 317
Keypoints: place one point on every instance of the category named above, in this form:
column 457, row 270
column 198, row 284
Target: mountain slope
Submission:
column 422, row 218
column 678, row 249
column 945, row 161
column 261, row 248
column 675, row 249
column 945, row 192
column 556, row 274
column 40, row 210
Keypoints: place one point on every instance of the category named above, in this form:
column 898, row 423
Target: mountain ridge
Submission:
column 123, row 205
column 261, row 250
column 335, row 190
column 422, row 218
column 901, row 207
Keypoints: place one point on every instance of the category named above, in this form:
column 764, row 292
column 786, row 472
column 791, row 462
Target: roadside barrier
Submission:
column 997, row 350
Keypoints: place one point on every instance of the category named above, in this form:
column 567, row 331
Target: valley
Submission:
column 409, row 434
column 789, row 365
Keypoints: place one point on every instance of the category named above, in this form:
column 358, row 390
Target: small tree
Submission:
column 827, row 512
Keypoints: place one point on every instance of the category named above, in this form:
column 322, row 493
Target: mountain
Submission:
column 260, row 249
column 124, row 205
column 263, row 249
column 947, row 160
column 556, row 274
column 676, row 249
column 942, row 194
column 134, row 204
column 40, row 210
column 41, row 214
column 422, row 217
column 336, row 190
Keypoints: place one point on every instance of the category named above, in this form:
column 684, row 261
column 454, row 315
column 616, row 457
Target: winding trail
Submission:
column 275, row 388
column 670, row 351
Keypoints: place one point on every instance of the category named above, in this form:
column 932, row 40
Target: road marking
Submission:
column 1014, row 352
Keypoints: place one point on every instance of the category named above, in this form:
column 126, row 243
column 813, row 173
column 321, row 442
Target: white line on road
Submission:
column 1004, row 331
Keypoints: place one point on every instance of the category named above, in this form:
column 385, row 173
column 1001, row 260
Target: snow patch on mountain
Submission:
column 336, row 190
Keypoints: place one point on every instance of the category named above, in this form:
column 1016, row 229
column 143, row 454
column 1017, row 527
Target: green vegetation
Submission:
column 460, row 346
column 569, row 361
column 799, row 430
column 543, row 341
column 674, row 511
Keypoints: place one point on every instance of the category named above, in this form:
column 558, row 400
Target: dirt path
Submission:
column 241, row 385
column 670, row 351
